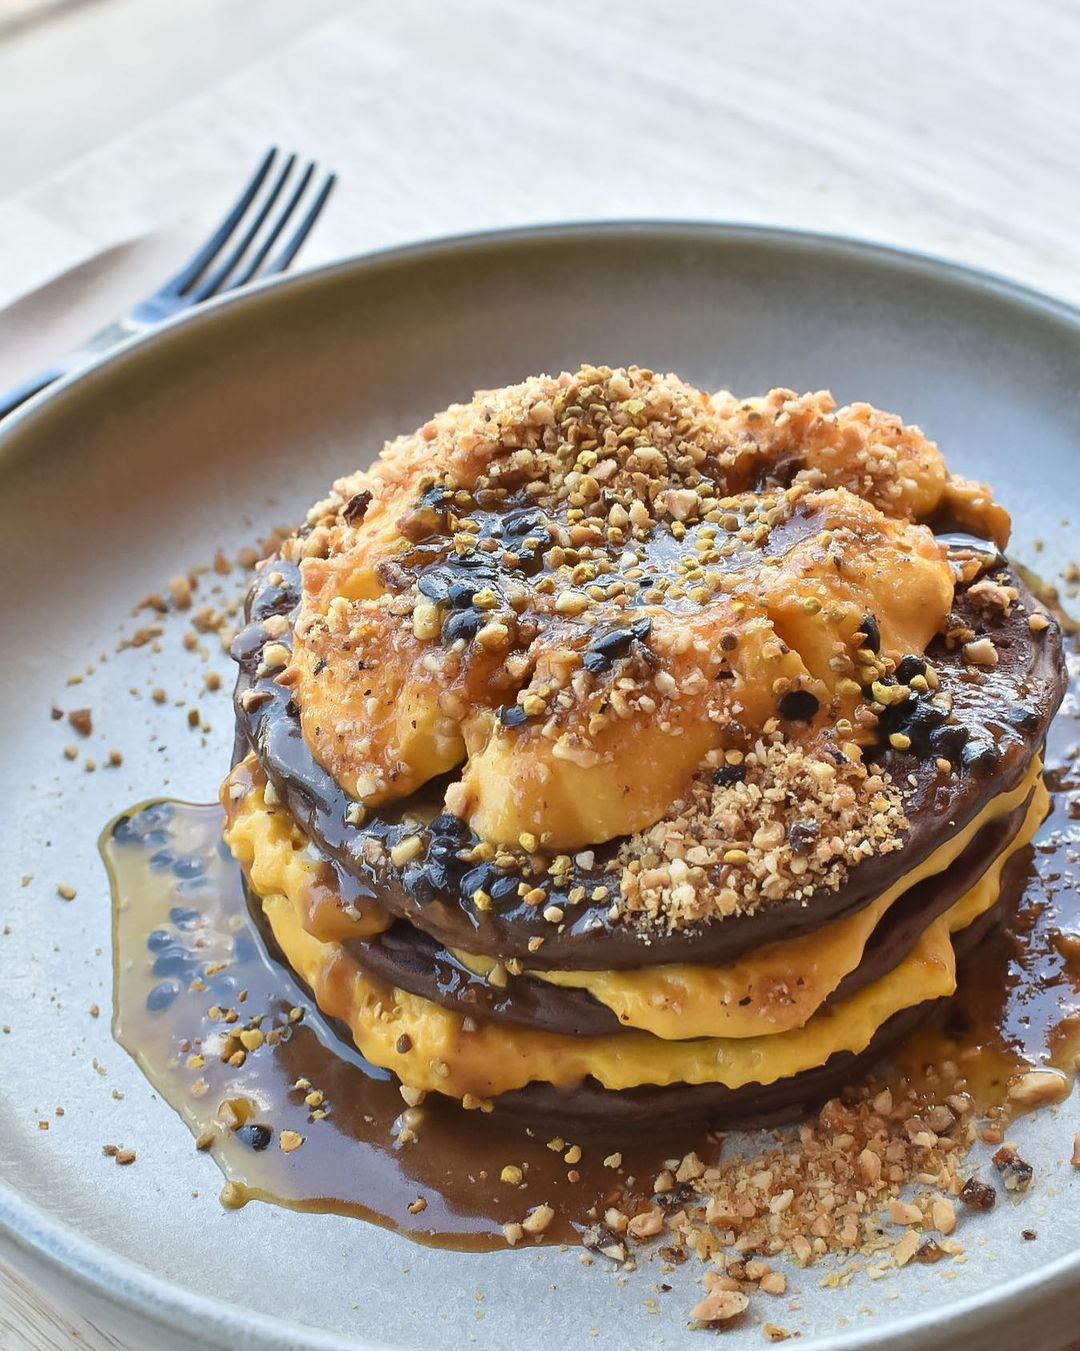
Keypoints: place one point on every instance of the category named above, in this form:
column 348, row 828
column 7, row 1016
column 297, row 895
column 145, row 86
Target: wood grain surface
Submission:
column 30, row 1320
column 948, row 128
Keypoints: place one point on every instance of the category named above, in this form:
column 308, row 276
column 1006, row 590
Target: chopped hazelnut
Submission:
column 81, row 720
column 720, row 1306
column 646, row 1225
column 406, row 850
column 538, row 1219
column 943, row 1215
column 1035, row 1088
column 906, row 1248
column 981, row 652
column 902, row 1213
column 180, row 592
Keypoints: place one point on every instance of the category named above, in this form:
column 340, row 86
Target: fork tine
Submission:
column 192, row 269
column 252, row 266
column 216, row 279
column 292, row 248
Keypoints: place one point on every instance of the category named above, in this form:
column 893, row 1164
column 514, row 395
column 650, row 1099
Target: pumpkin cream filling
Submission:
column 417, row 711
column 566, row 508
column 458, row 1056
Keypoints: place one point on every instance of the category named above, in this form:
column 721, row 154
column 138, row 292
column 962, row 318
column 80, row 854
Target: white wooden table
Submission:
column 952, row 128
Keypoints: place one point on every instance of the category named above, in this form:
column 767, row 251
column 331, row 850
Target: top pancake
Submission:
column 1002, row 721
column 610, row 695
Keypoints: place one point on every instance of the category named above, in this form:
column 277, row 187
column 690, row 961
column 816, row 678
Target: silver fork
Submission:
column 252, row 234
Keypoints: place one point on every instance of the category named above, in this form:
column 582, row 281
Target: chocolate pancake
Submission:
column 587, row 1106
column 408, row 958
column 895, row 937
column 999, row 719
column 412, row 960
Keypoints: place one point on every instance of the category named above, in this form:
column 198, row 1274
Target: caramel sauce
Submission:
column 192, row 972
column 1017, row 1006
column 186, row 952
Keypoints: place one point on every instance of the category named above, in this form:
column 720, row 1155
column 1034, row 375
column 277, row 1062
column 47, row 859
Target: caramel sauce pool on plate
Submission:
column 188, row 957
column 233, row 1044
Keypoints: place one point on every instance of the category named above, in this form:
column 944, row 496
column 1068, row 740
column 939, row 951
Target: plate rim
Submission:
column 34, row 1239
column 935, row 265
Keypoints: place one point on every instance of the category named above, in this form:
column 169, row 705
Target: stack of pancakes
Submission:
column 614, row 751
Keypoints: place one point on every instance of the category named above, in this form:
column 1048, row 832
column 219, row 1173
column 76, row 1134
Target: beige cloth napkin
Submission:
column 40, row 327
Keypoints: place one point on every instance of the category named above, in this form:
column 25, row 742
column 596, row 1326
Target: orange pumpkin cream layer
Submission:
column 611, row 749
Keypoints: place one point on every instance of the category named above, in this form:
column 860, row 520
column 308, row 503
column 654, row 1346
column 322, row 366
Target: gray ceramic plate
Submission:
column 233, row 420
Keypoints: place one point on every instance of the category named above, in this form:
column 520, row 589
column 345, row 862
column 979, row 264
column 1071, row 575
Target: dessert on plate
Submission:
column 613, row 751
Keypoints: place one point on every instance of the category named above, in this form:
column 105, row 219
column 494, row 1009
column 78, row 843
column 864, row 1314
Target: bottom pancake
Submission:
column 756, row 1106
column 634, row 1076
column 588, row 1106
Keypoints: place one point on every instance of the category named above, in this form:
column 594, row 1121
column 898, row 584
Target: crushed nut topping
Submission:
column 830, row 1186
column 544, row 587
column 790, row 824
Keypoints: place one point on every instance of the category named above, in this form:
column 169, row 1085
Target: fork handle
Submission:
column 92, row 348
column 26, row 389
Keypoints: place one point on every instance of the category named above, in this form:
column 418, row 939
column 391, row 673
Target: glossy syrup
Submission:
column 188, row 958
column 1017, row 1005
column 195, row 988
